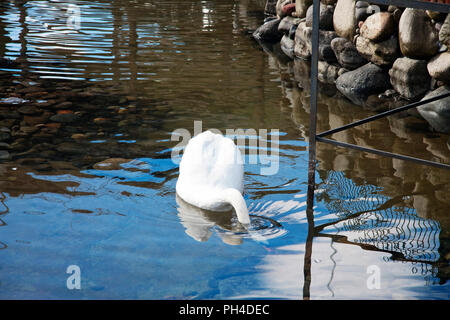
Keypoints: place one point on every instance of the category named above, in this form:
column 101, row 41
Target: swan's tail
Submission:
column 235, row 198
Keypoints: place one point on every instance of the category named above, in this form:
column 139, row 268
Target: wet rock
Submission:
column 359, row 84
column 286, row 24
column 328, row 73
column 268, row 32
column 65, row 117
column 7, row 63
column 79, row 136
column 287, row 46
column 4, row 155
column 71, row 148
column 279, row 7
column 344, row 20
column 410, row 77
column 4, row 146
column 326, row 17
column 346, row 54
column 5, row 133
column 437, row 113
column 378, row 27
column 381, row 53
column 361, row 12
column 29, row 110
column 436, row 16
column 63, row 105
column 301, row 7
column 302, row 48
column 439, row 67
column 444, row 33
column 34, row 120
column 417, row 36
column 302, row 36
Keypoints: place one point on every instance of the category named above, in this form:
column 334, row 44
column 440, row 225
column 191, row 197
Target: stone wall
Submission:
column 370, row 52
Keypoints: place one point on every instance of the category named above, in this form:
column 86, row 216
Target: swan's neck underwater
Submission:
column 235, row 198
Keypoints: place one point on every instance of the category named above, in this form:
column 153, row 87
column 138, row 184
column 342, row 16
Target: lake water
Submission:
column 130, row 74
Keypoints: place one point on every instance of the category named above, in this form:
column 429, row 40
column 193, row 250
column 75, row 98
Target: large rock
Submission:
column 378, row 27
column 410, row 77
column 287, row 46
column 346, row 54
column 381, row 53
column 279, row 7
column 344, row 19
column 328, row 73
column 326, row 17
column 439, row 67
column 417, row 35
column 444, row 33
column 359, row 84
column 268, row 32
column 303, row 47
column 437, row 113
column 286, row 24
column 301, row 7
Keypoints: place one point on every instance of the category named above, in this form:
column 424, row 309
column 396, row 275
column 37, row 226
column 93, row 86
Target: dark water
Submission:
column 134, row 72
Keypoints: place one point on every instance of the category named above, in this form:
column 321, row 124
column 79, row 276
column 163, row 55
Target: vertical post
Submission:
column 312, row 149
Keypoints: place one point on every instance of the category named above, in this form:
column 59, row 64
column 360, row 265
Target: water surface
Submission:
column 136, row 71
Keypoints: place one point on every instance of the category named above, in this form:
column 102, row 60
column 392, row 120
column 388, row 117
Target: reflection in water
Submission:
column 99, row 191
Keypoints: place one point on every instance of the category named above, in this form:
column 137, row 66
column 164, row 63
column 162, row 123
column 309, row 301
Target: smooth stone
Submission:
column 410, row 77
column 361, row 12
column 301, row 7
column 279, row 7
column 29, row 110
column 328, row 73
column 286, row 24
column 346, row 54
column 64, row 117
column 437, row 113
column 268, row 32
column 71, row 148
column 4, row 155
column 270, row 8
column 439, row 67
column 344, row 20
column 303, row 48
column 4, row 145
column 378, row 27
column 287, row 46
column 325, row 19
column 444, row 33
column 417, row 36
column 357, row 85
column 381, row 53
column 288, row 9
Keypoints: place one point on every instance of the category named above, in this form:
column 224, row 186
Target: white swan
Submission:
column 212, row 174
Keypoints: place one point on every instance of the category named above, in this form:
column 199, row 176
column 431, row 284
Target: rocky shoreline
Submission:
column 379, row 57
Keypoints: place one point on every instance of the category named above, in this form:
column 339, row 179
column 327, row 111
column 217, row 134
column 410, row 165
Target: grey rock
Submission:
column 381, row 53
column 279, row 7
column 328, row 73
column 359, row 84
column 410, row 77
column 439, row 67
column 286, row 24
column 268, row 32
column 287, row 46
column 4, row 155
column 346, row 54
column 444, row 33
column 301, row 7
column 326, row 17
column 437, row 113
column 64, row 117
column 344, row 20
column 378, row 27
column 417, row 35
column 303, row 48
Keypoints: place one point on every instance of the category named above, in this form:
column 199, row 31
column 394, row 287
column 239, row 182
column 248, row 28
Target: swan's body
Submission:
column 212, row 174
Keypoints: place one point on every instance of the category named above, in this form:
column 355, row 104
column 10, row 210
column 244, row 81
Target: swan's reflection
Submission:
column 199, row 223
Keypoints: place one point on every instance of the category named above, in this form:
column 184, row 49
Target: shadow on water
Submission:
column 86, row 175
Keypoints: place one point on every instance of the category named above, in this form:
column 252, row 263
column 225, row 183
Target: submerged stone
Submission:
column 437, row 113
